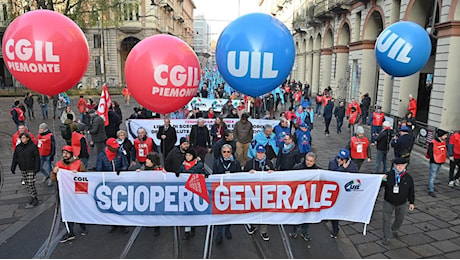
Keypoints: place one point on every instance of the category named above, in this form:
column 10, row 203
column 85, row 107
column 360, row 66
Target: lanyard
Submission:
column 225, row 167
column 398, row 177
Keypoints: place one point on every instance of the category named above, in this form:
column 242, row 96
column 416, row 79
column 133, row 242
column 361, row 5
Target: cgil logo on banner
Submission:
column 230, row 198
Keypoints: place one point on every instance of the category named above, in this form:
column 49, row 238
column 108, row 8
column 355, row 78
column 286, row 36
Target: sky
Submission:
column 220, row 13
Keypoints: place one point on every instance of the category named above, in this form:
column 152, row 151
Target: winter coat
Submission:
column 217, row 147
column 174, row 160
column 167, row 144
column 286, row 161
column 97, row 130
column 243, row 132
column 114, row 124
column 27, row 157
column 104, row 165
column 222, row 166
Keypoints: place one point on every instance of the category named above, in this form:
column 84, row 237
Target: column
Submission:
column 309, row 67
column 387, row 93
column 340, row 90
column 409, row 85
column 326, row 55
column 368, row 74
column 315, row 73
column 450, row 116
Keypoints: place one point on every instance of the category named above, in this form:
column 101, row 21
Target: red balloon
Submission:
column 162, row 73
column 45, row 51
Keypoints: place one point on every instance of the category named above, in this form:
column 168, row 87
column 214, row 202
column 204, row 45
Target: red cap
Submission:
column 112, row 142
column 67, row 148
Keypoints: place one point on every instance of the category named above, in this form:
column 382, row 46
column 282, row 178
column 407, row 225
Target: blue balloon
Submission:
column 403, row 48
column 255, row 54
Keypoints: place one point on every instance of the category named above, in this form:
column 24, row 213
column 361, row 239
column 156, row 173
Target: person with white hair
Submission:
column 359, row 148
column 383, row 144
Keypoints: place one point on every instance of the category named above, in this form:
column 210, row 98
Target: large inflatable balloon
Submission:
column 45, row 51
column 162, row 73
column 255, row 54
column 403, row 48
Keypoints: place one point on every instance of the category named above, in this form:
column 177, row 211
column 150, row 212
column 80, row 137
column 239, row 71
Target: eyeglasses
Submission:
column 226, row 152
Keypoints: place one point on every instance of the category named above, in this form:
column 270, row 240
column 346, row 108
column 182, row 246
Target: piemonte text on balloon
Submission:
column 36, row 51
column 162, row 73
column 255, row 54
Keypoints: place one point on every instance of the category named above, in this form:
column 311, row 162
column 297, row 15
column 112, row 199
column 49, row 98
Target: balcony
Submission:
column 326, row 9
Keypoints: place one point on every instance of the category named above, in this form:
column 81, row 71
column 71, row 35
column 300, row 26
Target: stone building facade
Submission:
column 335, row 42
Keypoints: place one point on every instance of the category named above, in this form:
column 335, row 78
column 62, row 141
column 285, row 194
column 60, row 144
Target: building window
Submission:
column 5, row 13
column 97, row 41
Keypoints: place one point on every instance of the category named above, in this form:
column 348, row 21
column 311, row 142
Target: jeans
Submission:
column 453, row 164
column 30, row 110
column 375, row 129
column 339, row 125
column 381, row 158
column 45, row 160
column 328, row 122
column 434, row 169
column 71, row 226
column 319, row 109
column 44, row 108
column 335, row 227
column 400, row 213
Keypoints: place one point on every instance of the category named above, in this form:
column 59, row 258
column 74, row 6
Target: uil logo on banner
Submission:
column 255, row 54
column 353, row 185
column 81, row 185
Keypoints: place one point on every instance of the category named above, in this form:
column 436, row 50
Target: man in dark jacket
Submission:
column 365, row 104
column 327, row 114
column 383, row 142
column 339, row 113
column 114, row 124
column 399, row 188
column 97, row 131
column 200, row 139
column 111, row 159
column 403, row 143
column 228, row 139
column 168, row 136
column 341, row 163
column 176, row 156
column 29, row 101
column 26, row 155
column 288, row 155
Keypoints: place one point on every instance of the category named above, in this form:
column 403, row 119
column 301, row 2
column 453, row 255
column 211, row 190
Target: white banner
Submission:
column 160, row 199
column 204, row 104
column 184, row 126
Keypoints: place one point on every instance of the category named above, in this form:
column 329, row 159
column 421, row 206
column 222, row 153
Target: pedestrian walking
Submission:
column 267, row 139
column 228, row 139
column 29, row 101
column 376, row 123
column 43, row 101
column 303, row 139
column 27, row 157
column 399, row 188
column 289, row 155
column 453, row 150
column 217, row 129
column 327, row 114
column 97, row 131
column 17, row 114
column 46, row 144
column 402, row 143
column 383, row 140
column 359, row 148
column 339, row 113
column 437, row 152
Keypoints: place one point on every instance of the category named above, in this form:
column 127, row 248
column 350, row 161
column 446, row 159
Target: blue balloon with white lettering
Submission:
column 403, row 48
column 255, row 54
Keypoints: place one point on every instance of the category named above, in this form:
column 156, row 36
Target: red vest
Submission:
column 21, row 116
column 74, row 166
column 359, row 147
column 76, row 145
column 325, row 100
column 319, row 98
column 439, row 151
column 44, row 144
column 353, row 118
column 377, row 119
column 143, row 148
column 455, row 141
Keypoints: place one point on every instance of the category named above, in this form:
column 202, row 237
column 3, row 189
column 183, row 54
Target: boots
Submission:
column 32, row 203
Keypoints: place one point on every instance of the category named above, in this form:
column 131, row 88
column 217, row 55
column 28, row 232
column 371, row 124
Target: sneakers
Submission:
column 451, row 184
column 332, row 235
column 457, row 182
column 32, row 203
column 264, row 236
column 67, row 237
column 395, row 233
column 251, row 229
column 431, row 193
column 305, row 236
column 23, row 182
column 293, row 235
column 83, row 232
column 385, row 241
column 219, row 239
column 49, row 182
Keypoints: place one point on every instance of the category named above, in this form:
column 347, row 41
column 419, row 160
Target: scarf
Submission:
column 190, row 164
column 229, row 158
column 110, row 155
column 288, row 148
column 398, row 175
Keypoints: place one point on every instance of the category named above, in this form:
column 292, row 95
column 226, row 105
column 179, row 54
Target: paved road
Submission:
column 432, row 230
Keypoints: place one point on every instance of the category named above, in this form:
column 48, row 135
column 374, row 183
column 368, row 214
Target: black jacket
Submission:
column 167, row 144
column 403, row 144
column 127, row 148
column 328, row 110
column 200, row 133
column 197, row 168
column 27, row 157
column 114, row 124
column 97, row 129
column 339, row 112
column 286, row 161
column 221, row 166
column 214, row 133
column 383, row 140
column 253, row 164
column 406, row 189
column 217, row 147
column 174, row 160
column 303, row 166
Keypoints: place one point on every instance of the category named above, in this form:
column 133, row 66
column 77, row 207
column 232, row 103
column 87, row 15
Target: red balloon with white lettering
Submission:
column 45, row 51
column 162, row 73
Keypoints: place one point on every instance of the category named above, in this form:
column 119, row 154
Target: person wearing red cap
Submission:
column 71, row 163
column 111, row 159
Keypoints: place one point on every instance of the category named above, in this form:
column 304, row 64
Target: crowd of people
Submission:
column 286, row 146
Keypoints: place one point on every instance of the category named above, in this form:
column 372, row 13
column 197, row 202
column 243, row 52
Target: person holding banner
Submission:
column 168, row 136
column 225, row 164
column 399, row 188
column 308, row 164
column 259, row 163
column 342, row 163
column 143, row 145
column 71, row 163
column 191, row 164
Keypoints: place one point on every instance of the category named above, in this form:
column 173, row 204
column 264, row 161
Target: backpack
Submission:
column 65, row 131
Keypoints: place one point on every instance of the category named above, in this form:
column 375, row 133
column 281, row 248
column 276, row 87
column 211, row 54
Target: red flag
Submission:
column 197, row 185
column 104, row 103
